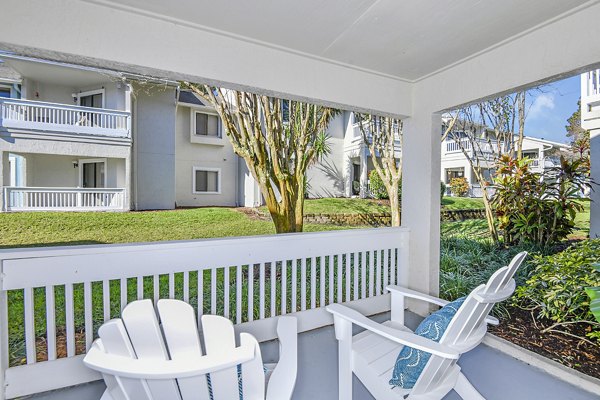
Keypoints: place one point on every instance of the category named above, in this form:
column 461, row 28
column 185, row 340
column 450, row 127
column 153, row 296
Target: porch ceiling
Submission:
column 407, row 40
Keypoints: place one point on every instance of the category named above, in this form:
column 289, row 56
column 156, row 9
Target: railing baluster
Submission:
column 378, row 273
column 284, row 265
column 303, row 284
column 124, row 297
column 313, row 283
column 171, row 285
column 28, row 306
column 294, row 287
column 261, row 290
column 50, row 323
column 348, row 266
column 140, row 287
column 226, row 284
column 371, row 272
column 70, row 322
column 200, row 293
column 331, row 279
column 186, row 286
column 106, row 299
column 273, row 277
column 363, row 275
column 355, row 270
column 322, row 281
column 251, row 292
column 238, row 294
column 88, row 314
column 213, row 291
column 339, row 277
column 386, row 268
column 392, row 267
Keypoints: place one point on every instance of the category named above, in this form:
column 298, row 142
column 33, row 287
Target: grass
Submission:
column 366, row 206
column 461, row 203
column 55, row 229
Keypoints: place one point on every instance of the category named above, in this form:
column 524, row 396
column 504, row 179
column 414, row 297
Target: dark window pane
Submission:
column 207, row 181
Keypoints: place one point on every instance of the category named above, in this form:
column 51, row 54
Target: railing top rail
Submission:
column 62, row 189
column 36, row 267
column 34, row 103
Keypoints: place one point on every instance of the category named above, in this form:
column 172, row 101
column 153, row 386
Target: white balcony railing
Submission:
column 51, row 117
column 248, row 280
column 62, row 199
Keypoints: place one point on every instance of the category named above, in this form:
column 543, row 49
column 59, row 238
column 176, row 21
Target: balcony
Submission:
column 45, row 117
column 63, row 199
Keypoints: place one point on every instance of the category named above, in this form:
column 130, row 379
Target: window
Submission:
column 207, row 180
column 206, row 125
column 93, row 98
column 5, row 91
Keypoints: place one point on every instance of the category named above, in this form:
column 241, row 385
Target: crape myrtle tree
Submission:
column 278, row 139
column 381, row 135
column 486, row 131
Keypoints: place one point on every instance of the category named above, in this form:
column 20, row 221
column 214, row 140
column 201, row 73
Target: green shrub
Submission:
column 556, row 286
column 377, row 187
column 442, row 190
column 466, row 263
column 459, row 187
column 537, row 208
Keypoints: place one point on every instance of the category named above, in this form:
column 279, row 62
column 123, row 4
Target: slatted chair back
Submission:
column 468, row 326
column 138, row 336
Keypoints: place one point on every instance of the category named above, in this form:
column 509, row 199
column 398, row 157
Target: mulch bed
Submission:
column 579, row 353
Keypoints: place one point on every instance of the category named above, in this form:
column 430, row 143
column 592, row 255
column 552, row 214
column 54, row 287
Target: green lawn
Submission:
column 55, row 229
column 461, row 203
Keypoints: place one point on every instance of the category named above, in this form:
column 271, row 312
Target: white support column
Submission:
column 364, row 175
column 128, row 183
column 4, row 176
column 595, row 174
column 421, row 202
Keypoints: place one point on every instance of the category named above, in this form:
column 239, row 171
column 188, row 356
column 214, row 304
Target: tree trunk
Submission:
column 395, row 205
column 521, row 125
column 489, row 215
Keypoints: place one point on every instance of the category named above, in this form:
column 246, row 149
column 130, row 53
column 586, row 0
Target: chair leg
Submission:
column 465, row 389
column 345, row 369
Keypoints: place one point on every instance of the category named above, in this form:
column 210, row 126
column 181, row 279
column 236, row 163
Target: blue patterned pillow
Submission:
column 411, row 362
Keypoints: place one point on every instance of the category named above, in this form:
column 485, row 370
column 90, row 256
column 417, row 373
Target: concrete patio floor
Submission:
column 496, row 375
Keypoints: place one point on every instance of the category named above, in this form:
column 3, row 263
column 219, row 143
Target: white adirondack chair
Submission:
column 141, row 361
column 371, row 355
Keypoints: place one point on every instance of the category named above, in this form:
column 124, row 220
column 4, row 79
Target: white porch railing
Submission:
column 37, row 115
column 52, row 300
column 62, row 199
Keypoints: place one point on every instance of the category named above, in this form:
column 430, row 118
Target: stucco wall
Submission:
column 326, row 177
column 35, row 88
column 48, row 170
column 189, row 155
column 154, row 148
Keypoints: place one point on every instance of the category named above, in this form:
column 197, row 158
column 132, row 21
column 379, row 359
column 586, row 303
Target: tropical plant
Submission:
column 442, row 190
column 459, row 186
column 535, row 207
column 594, row 294
column 555, row 289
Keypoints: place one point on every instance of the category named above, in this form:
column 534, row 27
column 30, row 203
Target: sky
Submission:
column 549, row 109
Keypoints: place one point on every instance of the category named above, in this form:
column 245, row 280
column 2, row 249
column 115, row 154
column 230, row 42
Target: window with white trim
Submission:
column 206, row 124
column 207, row 180
column 5, row 91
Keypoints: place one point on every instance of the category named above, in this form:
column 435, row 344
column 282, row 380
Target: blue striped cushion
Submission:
column 411, row 362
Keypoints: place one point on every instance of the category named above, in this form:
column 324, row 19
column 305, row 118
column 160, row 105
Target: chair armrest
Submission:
column 431, row 299
column 395, row 335
column 283, row 378
column 416, row 295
